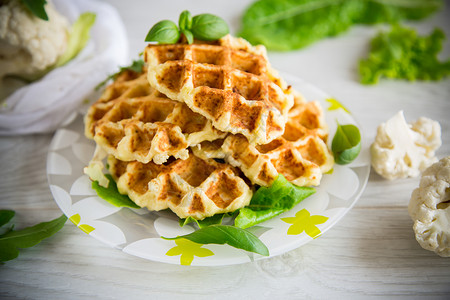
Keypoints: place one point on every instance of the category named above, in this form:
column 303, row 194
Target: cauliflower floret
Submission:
column 430, row 208
column 29, row 45
column 401, row 150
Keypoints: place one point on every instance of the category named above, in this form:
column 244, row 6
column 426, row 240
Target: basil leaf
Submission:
column 293, row 24
column 189, row 36
column 11, row 242
column 224, row 234
column 6, row 216
column 402, row 54
column 78, row 38
column 209, row 27
column 268, row 202
column 185, row 20
column 346, row 144
column 37, row 8
column 111, row 194
column 137, row 66
column 163, row 32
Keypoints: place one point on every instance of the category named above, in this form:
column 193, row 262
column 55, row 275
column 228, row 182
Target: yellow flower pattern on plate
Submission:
column 303, row 221
column 188, row 249
column 334, row 105
column 85, row 227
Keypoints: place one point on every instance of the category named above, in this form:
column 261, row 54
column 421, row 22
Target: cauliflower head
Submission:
column 29, row 45
column 403, row 150
column 429, row 208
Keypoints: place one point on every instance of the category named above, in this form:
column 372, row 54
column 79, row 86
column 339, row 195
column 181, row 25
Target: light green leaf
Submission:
column 208, row 27
column 402, row 54
column 268, row 202
column 163, row 32
column 185, row 20
column 112, row 195
column 137, row 66
column 11, row 242
column 78, row 38
column 292, row 24
column 346, row 144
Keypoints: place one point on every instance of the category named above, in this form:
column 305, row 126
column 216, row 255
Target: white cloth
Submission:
column 44, row 105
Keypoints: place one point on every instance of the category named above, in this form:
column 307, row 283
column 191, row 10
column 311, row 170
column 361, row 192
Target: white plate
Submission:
column 138, row 231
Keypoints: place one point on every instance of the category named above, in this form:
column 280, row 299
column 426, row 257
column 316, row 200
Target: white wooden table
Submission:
column 370, row 253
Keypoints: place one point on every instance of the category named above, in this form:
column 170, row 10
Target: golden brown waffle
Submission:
column 230, row 83
column 301, row 154
column 132, row 121
column 190, row 188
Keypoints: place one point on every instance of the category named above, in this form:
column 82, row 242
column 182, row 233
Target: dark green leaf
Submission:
column 137, row 66
column 224, row 234
column 346, row 144
column 112, row 195
column 37, row 8
column 402, row 54
column 268, row 202
column 163, row 32
column 6, row 216
column 292, row 24
column 209, row 27
column 185, row 20
column 11, row 242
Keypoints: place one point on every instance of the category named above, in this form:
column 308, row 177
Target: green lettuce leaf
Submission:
column 293, row 24
column 268, row 202
column 12, row 241
column 213, row 220
column 78, row 38
column 402, row 54
column 111, row 194
column 225, row 234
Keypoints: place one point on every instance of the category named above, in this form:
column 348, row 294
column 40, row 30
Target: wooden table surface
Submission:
column 370, row 253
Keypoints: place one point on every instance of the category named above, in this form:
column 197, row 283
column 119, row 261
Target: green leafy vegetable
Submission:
column 269, row 202
column 293, row 24
column 346, row 144
column 78, row 38
column 12, row 241
column 208, row 27
column 6, row 216
column 137, row 66
column 112, row 195
column 205, row 27
column 402, row 54
column 224, row 234
column 37, row 8
column 185, row 20
column 213, row 220
column 163, row 32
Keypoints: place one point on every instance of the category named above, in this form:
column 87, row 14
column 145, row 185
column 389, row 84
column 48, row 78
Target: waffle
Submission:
column 133, row 121
column 301, row 154
column 230, row 83
column 192, row 187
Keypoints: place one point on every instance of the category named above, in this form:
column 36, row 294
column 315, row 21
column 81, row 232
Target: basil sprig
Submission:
column 137, row 66
column 205, row 27
column 346, row 144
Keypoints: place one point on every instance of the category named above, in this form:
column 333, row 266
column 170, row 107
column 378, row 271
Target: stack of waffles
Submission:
column 202, row 126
